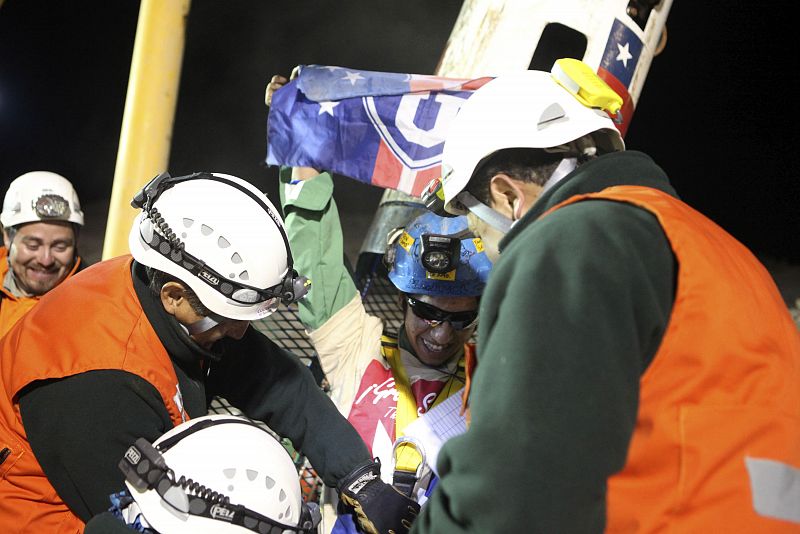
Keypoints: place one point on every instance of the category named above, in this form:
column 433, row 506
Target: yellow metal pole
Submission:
column 144, row 141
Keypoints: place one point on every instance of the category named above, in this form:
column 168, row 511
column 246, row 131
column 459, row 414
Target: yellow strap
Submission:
column 407, row 456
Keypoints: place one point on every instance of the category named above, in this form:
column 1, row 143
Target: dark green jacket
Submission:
column 573, row 314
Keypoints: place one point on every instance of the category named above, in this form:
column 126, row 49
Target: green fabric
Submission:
column 315, row 235
column 574, row 312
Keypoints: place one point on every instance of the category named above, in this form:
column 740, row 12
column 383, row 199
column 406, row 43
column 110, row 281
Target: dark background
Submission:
column 717, row 111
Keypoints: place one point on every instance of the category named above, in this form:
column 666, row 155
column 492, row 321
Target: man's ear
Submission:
column 172, row 296
column 505, row 195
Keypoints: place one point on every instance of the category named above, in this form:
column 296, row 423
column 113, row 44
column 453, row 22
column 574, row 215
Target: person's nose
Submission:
column 45, row 257
column 443, row 332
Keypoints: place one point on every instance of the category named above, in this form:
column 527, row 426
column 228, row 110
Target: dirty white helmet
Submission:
column 526, row 109
column 40, row 196
column 222, row 237
column 219, row 474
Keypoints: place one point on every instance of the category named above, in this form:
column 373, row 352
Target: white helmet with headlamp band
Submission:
column 40, row 196
column 222, row 237
column 527, row 109
column 215, row 474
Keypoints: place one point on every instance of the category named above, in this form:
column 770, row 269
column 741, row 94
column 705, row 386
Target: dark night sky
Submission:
column 716, row 111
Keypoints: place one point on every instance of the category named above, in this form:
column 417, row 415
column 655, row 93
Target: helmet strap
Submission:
column 198, row 327
column 490, row 216
column 566, row 166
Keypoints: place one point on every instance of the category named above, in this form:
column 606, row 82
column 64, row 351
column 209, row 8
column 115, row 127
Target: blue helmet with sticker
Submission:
column 437, row 256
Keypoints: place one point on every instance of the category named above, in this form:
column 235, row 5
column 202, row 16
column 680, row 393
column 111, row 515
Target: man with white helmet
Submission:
column 41, row 220
column 637, row 368
column 152, row 337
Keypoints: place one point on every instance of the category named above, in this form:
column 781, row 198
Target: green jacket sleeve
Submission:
column 574, row 311
column 315, row 236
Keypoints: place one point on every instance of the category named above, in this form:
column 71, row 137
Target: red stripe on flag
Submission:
column 476, row 83
column 627, row 102
column 386, row 172
column 451, row 84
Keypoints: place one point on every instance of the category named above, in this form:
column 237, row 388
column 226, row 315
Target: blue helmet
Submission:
column 438, row 256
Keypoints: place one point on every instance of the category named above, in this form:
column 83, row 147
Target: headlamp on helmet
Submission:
column 51, row 207
column 440, row 253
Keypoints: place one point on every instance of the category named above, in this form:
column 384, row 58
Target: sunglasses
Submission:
column 435, row 316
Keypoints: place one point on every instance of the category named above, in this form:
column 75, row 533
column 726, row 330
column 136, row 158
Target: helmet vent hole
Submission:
column 251, row 474
column 206, row 230
column 223, row 243
column 552, row 112
column 163, row 247
column 282, row 496
column 187, row 223
column 270, row 482
column 236, row 258
column 288, row 513
column 230, row 472
column 244, row 275
column 183, row 235
column 226, row 288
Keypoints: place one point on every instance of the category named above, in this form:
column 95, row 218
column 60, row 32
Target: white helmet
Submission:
column 526, row 109
column 219, row 474
column 222, row 237
column 40, row 196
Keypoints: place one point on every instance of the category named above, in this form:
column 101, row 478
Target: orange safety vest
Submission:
column 717, row 438
column 12, row 307
column 57, row 339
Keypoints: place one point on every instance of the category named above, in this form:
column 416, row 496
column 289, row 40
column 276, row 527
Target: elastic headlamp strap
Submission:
column 485, row 213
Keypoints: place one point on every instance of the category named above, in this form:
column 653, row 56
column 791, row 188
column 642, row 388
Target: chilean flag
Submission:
column 384, row 129
column 621, row 56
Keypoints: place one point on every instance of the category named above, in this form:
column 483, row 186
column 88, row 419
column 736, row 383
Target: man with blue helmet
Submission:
column 381, row 380
column 439, row 269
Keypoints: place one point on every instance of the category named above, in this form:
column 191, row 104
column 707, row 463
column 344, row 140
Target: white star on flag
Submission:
column 327, row 107
column 352, row 77
column 624, row 54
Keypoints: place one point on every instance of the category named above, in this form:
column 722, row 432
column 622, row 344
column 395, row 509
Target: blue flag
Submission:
column 385, row 129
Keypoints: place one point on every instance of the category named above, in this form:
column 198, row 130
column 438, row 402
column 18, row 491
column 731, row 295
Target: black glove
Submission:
column 380, row 508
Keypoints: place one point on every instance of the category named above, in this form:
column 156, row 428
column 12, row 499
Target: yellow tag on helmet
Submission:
column 444, row 277
column 406, row 241
column 585, row 85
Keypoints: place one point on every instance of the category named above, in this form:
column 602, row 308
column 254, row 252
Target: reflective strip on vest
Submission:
column 776, row 488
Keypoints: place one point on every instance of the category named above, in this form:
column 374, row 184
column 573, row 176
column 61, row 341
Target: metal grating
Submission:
column 285, row 329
